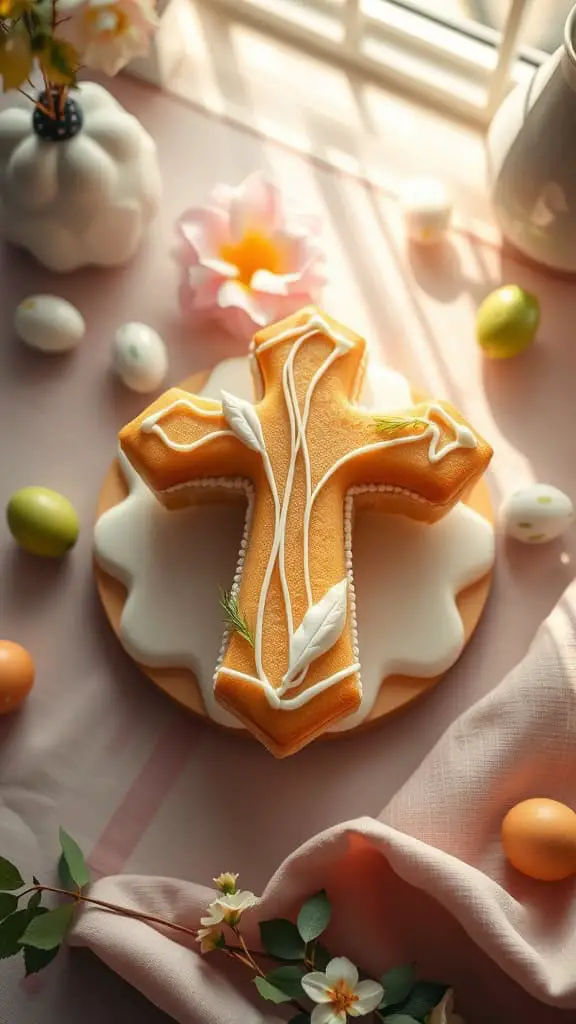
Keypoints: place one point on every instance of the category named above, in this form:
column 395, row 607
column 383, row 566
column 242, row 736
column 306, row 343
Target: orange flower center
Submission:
column 342, row 997
column 253, row 252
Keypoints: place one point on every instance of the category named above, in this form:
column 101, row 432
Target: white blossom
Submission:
column 339, row 993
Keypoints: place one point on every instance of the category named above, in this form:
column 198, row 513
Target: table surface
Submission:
column 96, row 748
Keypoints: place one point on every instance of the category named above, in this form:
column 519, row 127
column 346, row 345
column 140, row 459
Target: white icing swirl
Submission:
column 331, row 610
column 411, row 570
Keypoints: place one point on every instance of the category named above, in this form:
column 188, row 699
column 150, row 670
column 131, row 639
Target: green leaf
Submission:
column 34, row 901
column 58, row 57
column 300, row 1018
column 11, row 930
column 10, row 877
column 40, row 40
column 74, row 859
column 8, row 904
column 48, row 930
column 391, row 424
column 322, row 957
column 314, row 916
column 287, row 978
column 64, row 874
column 424, row 997
column 281, row 938
column 234, row 618
column 400, row 1018
column 36, row 960
column 270, row 992
column 397, row 984
column 59, row 60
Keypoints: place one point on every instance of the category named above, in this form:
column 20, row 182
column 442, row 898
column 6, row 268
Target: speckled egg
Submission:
column 49, row 323
column 507, row 321
column 16, row 675
column 539, row 839
column 139, row 357
column 427, row 210
column 42, row 521
column 537, row 514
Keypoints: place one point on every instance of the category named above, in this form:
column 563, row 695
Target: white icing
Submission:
column 151, row 425
column 243, row 420
column 405, row 577
column 316, row 324
column 190, row 446
column 319, row 630
column 281, row 703
column 464, row 438
column 324, row 621
column 298, row 423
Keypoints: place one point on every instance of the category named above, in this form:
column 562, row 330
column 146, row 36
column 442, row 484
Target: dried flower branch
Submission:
column 321, row 988
column 58, row 37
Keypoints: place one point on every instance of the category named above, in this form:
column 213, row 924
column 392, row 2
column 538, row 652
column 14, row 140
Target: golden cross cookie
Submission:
column 300, row 457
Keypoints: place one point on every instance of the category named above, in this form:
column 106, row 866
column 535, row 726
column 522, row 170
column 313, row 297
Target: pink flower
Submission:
column 244, row 262
column 107, row 33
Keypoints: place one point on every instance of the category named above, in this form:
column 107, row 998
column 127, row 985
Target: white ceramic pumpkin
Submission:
column 81, row 201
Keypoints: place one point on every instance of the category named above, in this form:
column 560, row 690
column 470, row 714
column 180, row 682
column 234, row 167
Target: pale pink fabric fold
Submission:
column 426, row 880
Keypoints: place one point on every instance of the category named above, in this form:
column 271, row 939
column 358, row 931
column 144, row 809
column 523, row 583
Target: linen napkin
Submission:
column 426, row 880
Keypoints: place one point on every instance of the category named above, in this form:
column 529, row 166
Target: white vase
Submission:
column 532, row 160
column 81, row 200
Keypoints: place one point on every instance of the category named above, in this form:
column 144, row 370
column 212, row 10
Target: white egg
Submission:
column 139, row 357
column 49, row 323
column 427, row 209
column 537, row 514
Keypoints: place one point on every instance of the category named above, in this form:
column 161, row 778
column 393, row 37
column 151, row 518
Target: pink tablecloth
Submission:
column 96, row 748
column 427, row 880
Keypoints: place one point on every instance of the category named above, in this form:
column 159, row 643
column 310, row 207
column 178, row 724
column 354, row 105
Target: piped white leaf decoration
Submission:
column 319, row 630
column 243, row 420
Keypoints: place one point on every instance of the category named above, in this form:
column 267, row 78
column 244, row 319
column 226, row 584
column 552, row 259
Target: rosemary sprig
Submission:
column 233, row 616
column 390, row 424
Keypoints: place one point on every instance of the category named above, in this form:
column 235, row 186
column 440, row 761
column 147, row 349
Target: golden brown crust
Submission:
column 180, row 684
column 346, row 449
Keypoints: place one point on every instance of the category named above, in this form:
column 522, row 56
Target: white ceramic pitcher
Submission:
column 532, row 160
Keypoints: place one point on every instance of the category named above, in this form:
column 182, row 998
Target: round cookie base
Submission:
column 396, row 692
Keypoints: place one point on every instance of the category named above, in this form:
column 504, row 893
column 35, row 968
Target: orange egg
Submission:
column 16, row 675
column 539, row 839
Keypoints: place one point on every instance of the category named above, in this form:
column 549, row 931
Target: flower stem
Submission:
column 238, row 952
column 51, row 111
column 255, row 967
column 233, row 953
column 30, row 98
column 115, row 909
column 247, row 952
column 241, row 953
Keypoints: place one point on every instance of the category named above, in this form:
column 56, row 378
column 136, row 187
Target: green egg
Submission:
column 507, row 321
column 42, row 521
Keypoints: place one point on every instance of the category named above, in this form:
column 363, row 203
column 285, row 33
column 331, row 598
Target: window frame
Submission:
column 469, row 79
